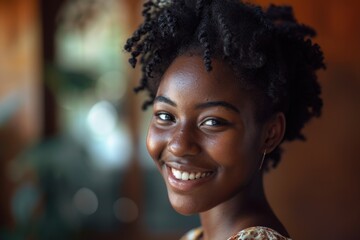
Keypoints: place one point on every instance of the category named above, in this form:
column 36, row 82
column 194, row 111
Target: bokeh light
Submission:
column 86, row 201
column 24, row 202
column 102, row 118
column 126, row 210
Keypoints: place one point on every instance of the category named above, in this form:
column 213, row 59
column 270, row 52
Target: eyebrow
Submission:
column 218, row 104
column 165, row 100
column 201, row 105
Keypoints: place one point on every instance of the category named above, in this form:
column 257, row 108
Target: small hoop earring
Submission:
column 262, row 160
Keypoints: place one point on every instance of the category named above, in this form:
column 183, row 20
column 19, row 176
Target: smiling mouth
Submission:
column 186, row 176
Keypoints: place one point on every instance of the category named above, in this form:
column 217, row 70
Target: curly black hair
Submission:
column 268, row 49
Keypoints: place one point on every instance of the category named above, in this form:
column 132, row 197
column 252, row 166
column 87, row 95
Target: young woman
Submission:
column 229, row 82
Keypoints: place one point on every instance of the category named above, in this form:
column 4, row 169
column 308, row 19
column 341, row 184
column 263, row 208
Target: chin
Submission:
column 184, row 210
column 185, row 205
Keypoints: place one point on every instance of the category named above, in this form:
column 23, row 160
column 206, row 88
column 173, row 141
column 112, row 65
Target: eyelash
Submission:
column 214, row 122
column 166, row 117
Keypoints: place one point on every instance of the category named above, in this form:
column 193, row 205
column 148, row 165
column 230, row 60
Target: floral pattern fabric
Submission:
column 252, row 233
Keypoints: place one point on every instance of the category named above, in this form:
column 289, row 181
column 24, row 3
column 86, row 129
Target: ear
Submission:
column 274, row 132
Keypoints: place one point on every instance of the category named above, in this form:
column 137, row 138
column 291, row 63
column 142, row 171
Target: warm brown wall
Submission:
column 19, row 75
column 315, row 189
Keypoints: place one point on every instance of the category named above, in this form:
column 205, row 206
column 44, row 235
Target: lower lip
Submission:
column 184, row 185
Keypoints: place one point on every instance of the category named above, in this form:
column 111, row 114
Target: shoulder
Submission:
column 258, row 233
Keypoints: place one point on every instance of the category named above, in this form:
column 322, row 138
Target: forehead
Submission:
column 187, row 75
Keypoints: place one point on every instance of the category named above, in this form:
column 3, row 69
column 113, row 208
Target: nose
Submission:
column 184, row 142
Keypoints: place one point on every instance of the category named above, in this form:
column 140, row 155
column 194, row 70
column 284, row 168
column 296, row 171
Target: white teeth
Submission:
column 176, row 173
column 185, row 176
column 188, row 176
column 192, row 176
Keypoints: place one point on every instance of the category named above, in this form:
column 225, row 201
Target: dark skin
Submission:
column 208, row 145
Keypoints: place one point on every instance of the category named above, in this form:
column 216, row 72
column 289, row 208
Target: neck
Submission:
column 248, row 208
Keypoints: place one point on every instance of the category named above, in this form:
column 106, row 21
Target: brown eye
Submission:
column 213, row 122
column 164, row 117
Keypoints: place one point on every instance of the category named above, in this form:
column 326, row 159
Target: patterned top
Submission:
column 252, row 233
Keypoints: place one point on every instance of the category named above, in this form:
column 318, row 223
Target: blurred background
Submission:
column 73, row 163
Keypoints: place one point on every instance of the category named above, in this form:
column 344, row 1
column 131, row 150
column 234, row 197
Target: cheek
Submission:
column 234, row 151
column 155, row 143
column 227, row 150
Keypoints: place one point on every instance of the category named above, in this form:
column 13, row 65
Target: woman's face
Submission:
column 203, row 136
